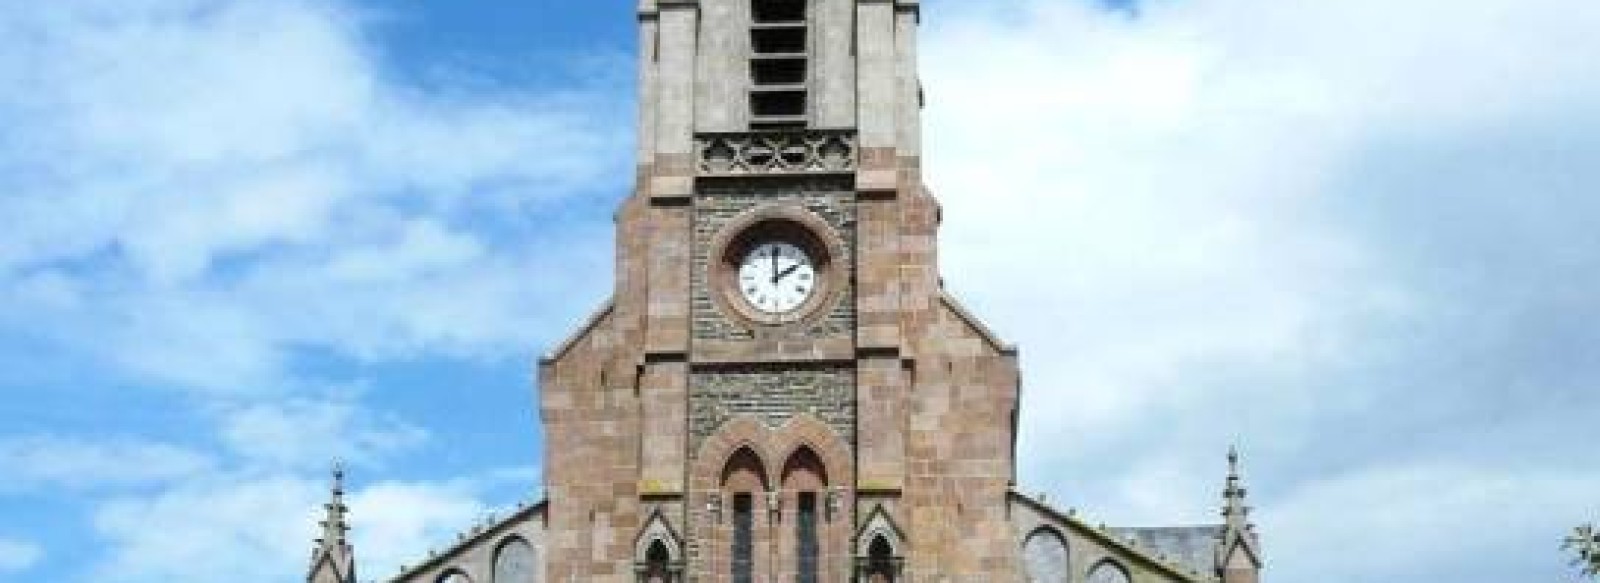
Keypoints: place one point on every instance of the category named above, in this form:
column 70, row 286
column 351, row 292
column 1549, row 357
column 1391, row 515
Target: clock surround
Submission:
column 780, row 224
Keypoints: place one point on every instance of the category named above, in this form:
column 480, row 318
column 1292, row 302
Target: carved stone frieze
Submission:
column 783, row 152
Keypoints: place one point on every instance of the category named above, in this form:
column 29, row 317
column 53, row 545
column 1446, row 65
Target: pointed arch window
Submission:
column 1108, row 571
column 878, row 554
column 515, row 562
column 743, row 477
column 658, row 557
column 1045, row 556
column 658, row 563
column 881, row 564
column 805, row 476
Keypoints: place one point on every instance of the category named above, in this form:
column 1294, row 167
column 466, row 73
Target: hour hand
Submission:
column 786, row 272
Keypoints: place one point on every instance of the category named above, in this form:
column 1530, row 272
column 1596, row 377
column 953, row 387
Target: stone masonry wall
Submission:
column 721, row 202
column 773, row 393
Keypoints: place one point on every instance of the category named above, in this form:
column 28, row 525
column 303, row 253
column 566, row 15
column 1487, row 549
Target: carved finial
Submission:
column 1238, row 535
column 1233, row 495
column 334, row 559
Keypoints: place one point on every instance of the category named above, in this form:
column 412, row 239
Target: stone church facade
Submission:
column 780, row 389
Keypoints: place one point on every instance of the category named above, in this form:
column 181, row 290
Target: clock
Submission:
column 777, row 277
column 776, row 269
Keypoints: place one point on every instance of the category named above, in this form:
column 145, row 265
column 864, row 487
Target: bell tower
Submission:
column 779, row 389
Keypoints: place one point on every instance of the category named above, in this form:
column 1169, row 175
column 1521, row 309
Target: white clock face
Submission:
column 777, row 278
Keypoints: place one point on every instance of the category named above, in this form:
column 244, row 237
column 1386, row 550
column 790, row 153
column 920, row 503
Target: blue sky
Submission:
column 247, row 236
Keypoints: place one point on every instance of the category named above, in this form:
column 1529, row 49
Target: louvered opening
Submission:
column 776, row 11
column 778, row 71
column 779, row 64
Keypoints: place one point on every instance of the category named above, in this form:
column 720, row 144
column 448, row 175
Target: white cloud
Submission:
column 1441, row 521
column 18, row 555
column 309, row 434
column 1138, row 209
column 1164, row 182
column 1158, row 210
column 257, row 528
column 244, row 179
column 68, row 464
column 251, row 529
column 400, row 522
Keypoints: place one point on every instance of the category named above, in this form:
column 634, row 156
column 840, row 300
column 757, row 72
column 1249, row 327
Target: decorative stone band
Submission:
column 776, row 152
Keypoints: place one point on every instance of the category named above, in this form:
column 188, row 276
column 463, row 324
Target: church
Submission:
column 780, row 389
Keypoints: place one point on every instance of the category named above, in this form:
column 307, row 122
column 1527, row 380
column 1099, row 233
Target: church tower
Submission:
column 779, row 389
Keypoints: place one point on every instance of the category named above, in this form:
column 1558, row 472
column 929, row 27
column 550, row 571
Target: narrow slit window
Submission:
column 743, row 547
column 806, row 537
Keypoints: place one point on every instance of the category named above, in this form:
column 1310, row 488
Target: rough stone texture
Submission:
column 722, row 75
column 833, row 74
column 877, row 100
column 720, row 203
column 958, row 440
column 774, row 394
column 908, row 117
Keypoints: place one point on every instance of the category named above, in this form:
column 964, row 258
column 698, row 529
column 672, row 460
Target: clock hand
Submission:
column 786, row 272
column 774, row 266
